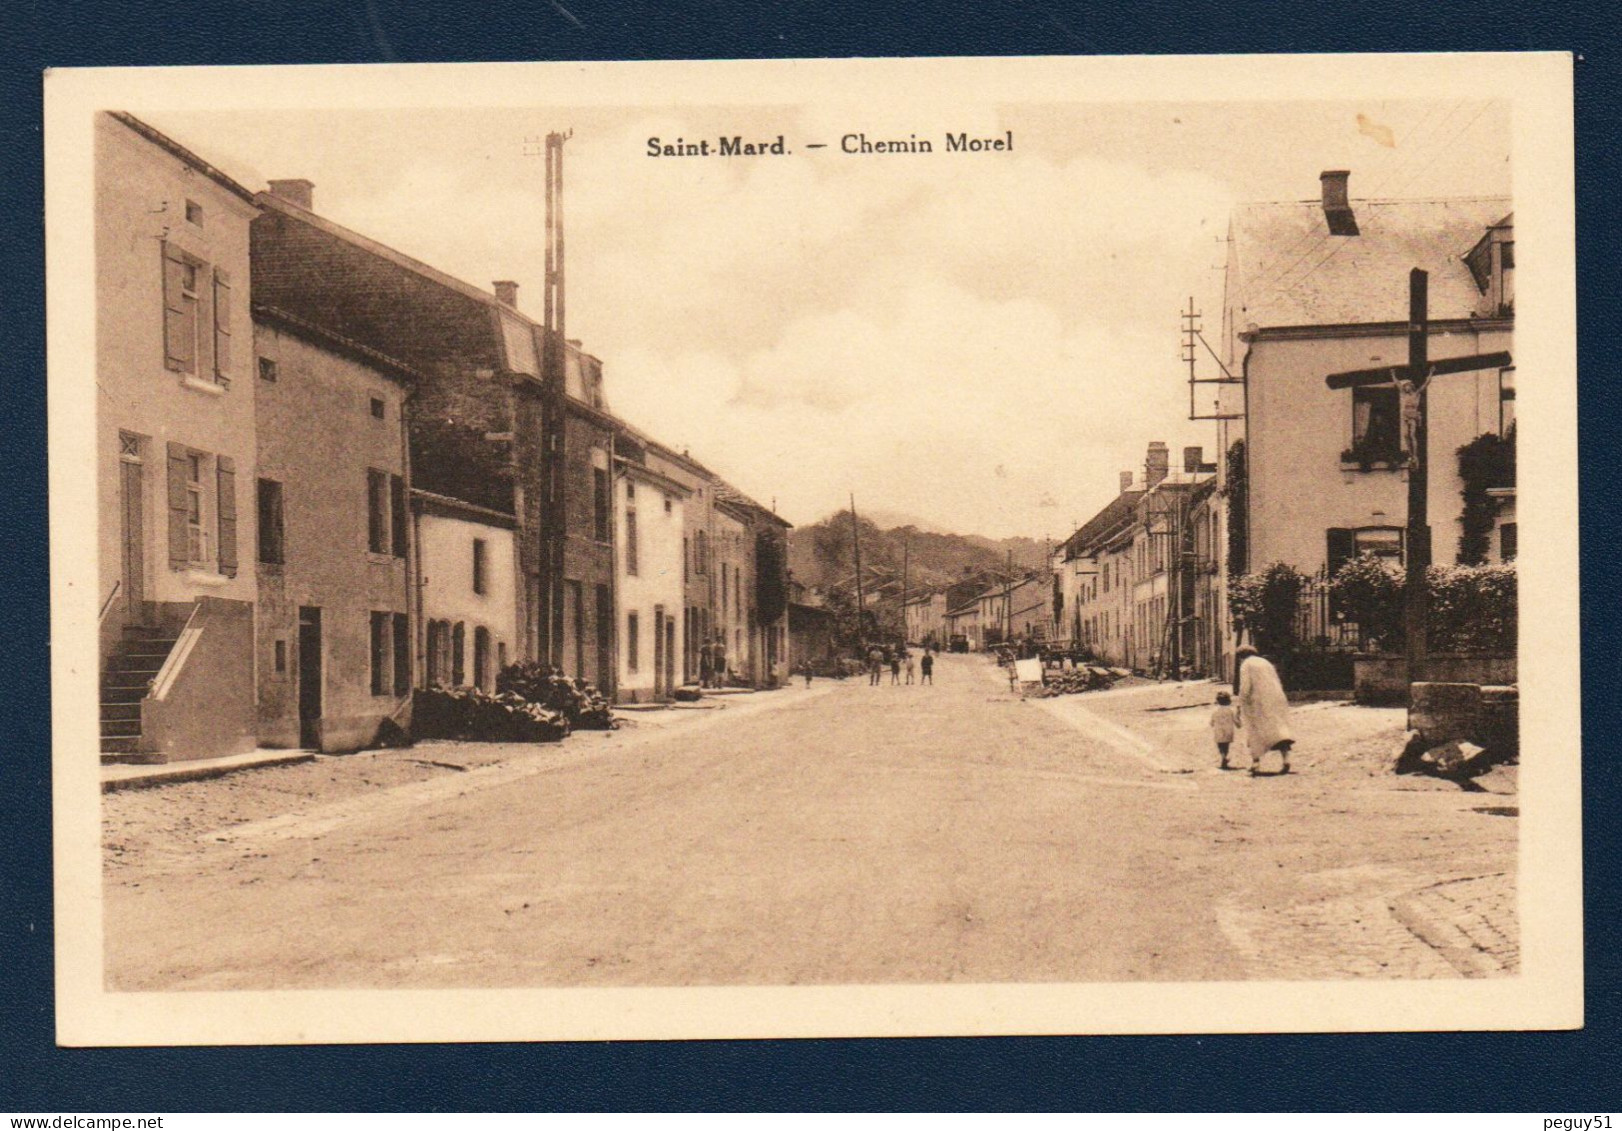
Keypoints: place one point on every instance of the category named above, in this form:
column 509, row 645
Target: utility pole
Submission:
column 1008, row 602
column 856, row 546
column 552, row 521
column 1419, row 371
column 906, row 548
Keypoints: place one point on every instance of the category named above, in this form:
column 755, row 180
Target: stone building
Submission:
column 176, row 458
column 1327, row 476
column 468, row 590
column 649, row 516
column 507, row 417
column 334, row 538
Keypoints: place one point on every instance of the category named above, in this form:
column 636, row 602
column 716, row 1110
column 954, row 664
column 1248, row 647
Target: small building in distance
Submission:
column 925, row 617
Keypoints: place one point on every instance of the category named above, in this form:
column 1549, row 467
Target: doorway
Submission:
column 132, row 489
column 309, row 677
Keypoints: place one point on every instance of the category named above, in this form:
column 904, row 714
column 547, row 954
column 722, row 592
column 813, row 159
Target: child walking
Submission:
column 1222, row 723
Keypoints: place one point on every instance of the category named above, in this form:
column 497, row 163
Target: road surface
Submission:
column 842, row 834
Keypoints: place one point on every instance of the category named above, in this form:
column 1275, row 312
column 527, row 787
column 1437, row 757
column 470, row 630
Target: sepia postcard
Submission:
column 813, row 548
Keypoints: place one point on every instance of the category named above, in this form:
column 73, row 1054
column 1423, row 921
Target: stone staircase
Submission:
column 125, row 681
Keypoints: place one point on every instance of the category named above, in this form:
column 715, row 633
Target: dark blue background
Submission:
column 1575, row 1072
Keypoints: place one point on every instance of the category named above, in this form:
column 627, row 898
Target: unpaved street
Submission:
column 841, row 834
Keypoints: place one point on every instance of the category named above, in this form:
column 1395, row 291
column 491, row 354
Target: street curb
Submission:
column 1445, row 937
column 169, row 773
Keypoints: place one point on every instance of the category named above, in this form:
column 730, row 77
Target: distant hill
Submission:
column 820, row 554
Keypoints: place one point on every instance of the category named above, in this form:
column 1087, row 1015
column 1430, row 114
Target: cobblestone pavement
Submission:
column 953, row 833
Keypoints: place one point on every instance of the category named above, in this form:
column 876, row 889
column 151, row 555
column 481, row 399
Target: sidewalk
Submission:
column 128, row 776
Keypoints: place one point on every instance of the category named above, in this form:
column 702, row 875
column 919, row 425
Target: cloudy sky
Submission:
column 978, row 341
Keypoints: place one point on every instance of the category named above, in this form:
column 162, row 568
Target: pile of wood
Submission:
column 1087, row 677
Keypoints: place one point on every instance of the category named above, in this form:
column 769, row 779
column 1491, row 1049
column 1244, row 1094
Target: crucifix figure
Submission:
column 1411, row 381
column 1411, row 411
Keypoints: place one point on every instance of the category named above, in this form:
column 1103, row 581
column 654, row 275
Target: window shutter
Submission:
column 225, row 478
column 1342, row 548
column 397, row 506
column 178, row 508
column 222, row 323
column 179, row 315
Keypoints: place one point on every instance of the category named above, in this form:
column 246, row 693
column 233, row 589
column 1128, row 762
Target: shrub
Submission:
column 1265, row 604
column 1487, row 461
column 1368, row 590
column 473, row 715
column 577, row 700
column 1473, row 608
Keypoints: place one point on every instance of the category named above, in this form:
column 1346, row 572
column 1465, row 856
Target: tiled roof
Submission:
column 1117, row 511
column 174, row 148
column 1289, row 271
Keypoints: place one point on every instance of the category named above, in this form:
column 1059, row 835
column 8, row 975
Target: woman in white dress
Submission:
column 1263, row 709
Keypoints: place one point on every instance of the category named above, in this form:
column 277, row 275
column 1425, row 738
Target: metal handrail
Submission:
column 108, row 603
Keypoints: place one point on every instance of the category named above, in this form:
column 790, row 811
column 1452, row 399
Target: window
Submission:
column 267, row 369
column 632, row 642
column 194, row 213
column 281, row 657
column 1506, row 253
column 402, row 655
column 400, row 528
column 630, row 530
column 1506, row 401
column 434, row 652
column 380, row 653
column 600, row 504
column 377, row 511
column 670, row 505
column 377, row 407
column 458, row 655
column 478, row 566
column 1343, row 545
column 686, row 549
column 1376, row 423
column 701, row 554
column 1508, row 542
column 271, row 533
column 194, row 507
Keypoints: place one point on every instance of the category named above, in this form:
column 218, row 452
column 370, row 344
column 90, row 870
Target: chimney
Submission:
column 296, row 191
column 506, row 292
column 1126, row 481
column 1192, row 459
column 1157, row 464
column 1337, row 207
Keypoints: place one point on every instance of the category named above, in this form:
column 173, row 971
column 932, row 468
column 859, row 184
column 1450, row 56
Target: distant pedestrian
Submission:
column 908, row 664
column 875, row 665
column 1263, row 710
column 895, row 668
column 926, row 668
column 808, row 673
column 1222, row 725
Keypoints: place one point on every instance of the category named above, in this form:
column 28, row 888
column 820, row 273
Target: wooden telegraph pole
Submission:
column 906, row 552
column 1419, row 370
column 856, row 546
